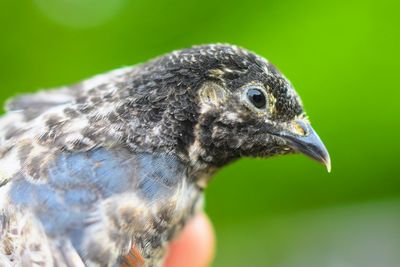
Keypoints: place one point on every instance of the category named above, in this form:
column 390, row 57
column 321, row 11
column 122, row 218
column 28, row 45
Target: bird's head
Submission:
column 245, row 107
column 217, row 103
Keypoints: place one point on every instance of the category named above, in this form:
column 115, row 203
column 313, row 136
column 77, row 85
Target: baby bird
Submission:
column 107, row 172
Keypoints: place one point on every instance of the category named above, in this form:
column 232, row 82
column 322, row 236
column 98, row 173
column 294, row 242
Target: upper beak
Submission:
column 308, row 144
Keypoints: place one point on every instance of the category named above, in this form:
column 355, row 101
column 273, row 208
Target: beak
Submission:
column 308, row 143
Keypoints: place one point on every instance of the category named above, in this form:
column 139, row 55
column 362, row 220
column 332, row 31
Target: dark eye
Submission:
column 256, row 97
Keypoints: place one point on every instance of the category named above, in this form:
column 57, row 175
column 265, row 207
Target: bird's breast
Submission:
column 106, row 200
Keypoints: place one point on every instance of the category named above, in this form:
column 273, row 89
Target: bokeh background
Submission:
column 343, row 58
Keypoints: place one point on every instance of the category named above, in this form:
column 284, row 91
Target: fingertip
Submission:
column 195, row 246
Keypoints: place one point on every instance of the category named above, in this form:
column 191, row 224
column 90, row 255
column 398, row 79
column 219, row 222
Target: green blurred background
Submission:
column 343, row 58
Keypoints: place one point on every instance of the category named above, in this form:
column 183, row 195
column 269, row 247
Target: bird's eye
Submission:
column 256, row 97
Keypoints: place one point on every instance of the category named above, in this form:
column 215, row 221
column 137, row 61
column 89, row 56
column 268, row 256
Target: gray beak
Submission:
column 308, row 144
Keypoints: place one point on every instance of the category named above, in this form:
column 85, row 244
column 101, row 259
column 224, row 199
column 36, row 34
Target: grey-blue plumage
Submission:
column 120, row 161
column 67, row 204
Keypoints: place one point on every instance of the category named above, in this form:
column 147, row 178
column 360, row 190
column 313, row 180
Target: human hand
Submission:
column 195, row 246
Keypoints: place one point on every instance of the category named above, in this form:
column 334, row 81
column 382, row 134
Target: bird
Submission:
column 107, row 171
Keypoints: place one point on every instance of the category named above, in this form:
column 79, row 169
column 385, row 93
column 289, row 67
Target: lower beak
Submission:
column 308, row 144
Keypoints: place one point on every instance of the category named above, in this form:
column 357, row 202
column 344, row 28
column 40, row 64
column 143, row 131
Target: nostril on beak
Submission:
column 300, row 128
